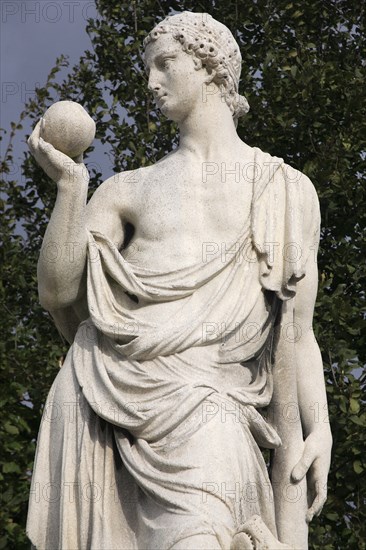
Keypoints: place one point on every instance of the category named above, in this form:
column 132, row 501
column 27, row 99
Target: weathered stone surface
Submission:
column 188, row 307
column 68, row 127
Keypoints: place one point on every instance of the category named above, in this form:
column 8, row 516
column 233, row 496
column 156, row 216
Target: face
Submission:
column 176, row 84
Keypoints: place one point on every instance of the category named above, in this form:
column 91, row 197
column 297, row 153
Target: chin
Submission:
column 171, row 113
column 175, row 115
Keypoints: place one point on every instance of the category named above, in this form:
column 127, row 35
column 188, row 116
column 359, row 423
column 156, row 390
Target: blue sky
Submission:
column 33, row 34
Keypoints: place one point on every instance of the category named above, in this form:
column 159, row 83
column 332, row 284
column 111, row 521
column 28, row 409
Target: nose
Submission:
column 153, row 83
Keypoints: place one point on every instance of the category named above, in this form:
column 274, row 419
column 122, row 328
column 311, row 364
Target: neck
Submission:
column 208, row 131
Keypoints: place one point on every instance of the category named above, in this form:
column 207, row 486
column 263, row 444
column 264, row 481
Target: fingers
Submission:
column 315, row 457
column 320, row 487
column 52, row 155
column 79, row 159
column 34, row 137
column 316, row 508
column 300, row 470
column 58, row 166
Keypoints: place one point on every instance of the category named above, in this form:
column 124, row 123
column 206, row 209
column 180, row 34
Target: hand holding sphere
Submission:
column 59, row 140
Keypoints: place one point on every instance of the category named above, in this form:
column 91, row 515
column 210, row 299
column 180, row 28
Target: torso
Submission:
column 179, row 205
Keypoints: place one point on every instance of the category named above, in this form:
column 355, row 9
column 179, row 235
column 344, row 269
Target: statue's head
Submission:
column 212, row 47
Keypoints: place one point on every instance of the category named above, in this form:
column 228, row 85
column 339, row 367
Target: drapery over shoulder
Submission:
column 275, row 243
column 148, row 370
column 270, row 253
column 177, row 309
column 285, row 220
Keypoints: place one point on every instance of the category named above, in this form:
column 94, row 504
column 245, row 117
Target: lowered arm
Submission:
column 312, row 398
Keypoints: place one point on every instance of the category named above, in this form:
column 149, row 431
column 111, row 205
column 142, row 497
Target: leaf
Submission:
column 11, row 467
column 358, row 421
column 10, row 428
column 354, row 405
column 357, row 466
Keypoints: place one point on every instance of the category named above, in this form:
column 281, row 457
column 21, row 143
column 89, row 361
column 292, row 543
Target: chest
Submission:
column 210, row 201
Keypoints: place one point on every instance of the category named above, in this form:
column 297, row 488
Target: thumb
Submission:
column 79, row 159
column 300, row 470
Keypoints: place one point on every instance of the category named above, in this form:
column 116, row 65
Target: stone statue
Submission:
column 188, row 303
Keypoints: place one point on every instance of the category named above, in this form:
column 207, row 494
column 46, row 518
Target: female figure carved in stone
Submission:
column 176, row 332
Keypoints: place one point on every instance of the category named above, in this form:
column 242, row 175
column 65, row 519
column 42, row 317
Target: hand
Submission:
column 315, row 462
column 58, row 166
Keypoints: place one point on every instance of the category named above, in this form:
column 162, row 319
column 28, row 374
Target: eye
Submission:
column 166, row 62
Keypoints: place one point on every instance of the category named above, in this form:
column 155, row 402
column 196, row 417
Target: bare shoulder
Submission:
column 117, row 186
column 122, row 188
column 115, row 202
column 107, row 210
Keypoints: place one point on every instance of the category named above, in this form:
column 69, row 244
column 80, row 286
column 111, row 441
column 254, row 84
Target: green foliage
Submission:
column 303, row 74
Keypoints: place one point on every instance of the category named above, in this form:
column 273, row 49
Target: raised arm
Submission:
column 60, row 269
column 62, row 261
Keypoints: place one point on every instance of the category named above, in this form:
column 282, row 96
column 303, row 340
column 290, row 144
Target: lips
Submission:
column 160, row 99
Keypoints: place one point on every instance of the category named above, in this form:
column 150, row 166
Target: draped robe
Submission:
column 151, row 430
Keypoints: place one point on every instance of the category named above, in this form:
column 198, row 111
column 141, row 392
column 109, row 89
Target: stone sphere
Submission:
column 68, row 127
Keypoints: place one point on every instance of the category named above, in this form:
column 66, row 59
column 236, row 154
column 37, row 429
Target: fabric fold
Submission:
column 166, row 388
